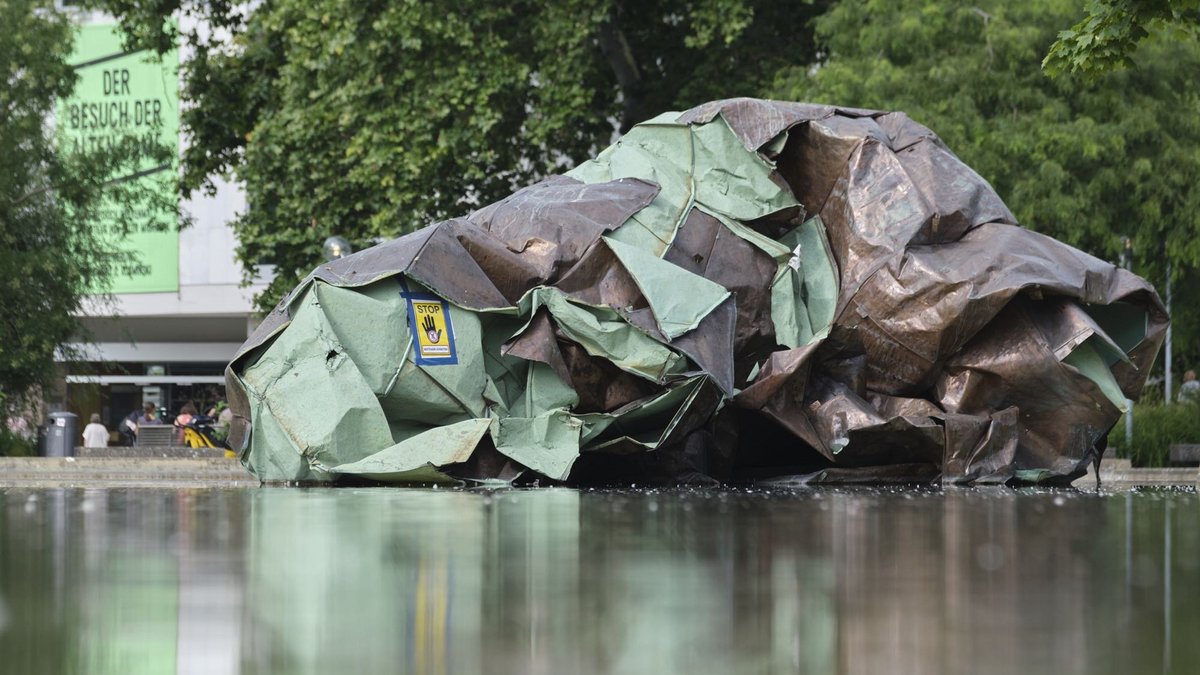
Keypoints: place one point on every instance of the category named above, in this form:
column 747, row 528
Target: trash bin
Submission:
column 62, row 434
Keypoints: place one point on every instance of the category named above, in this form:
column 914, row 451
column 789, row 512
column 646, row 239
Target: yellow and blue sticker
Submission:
column 431, row 328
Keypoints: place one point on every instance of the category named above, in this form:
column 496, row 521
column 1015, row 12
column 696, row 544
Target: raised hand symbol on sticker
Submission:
column 431, row 330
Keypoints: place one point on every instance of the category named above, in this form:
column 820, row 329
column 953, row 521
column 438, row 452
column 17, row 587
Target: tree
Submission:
column 50, row 258
column 1107, row 37
column 1086, row 162
column 369, row 118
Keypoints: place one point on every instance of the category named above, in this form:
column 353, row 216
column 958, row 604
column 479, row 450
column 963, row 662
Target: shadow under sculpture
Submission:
column 745, row 291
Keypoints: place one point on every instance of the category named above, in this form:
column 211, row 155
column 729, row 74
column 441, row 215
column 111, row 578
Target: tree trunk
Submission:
column 629, row 76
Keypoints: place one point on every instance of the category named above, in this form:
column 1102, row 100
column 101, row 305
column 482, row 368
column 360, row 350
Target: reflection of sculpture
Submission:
column 835, row 271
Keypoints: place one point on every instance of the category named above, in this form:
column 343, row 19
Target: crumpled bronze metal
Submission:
column 962, row 346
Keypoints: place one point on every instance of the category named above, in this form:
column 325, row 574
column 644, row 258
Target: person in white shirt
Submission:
column 95, row 435
column 1190, row 391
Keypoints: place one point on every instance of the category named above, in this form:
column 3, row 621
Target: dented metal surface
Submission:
column 746, row 290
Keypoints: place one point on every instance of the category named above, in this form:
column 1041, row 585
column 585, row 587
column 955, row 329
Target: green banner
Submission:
column 119, row 94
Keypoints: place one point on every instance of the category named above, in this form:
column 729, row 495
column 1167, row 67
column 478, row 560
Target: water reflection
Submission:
column 366, row 580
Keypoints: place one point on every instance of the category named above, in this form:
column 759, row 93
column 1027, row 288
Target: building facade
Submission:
column 178, row 309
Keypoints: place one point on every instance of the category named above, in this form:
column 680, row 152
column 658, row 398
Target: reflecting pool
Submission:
column 127, row 581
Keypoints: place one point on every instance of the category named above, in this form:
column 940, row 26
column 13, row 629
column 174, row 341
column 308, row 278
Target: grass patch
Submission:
column 1155, row 428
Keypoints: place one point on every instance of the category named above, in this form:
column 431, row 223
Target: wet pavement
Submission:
column 561, row 581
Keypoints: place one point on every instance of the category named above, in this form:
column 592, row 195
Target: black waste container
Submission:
column 62, row 434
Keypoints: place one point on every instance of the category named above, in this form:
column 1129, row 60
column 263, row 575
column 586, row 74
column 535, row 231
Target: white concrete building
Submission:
column 169, row 334
column 168, row 347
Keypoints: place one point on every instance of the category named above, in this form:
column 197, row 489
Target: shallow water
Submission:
column 561, row 581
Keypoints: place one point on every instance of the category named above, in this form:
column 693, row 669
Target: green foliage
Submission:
column 1106, row 38
column 12, row 445
column 48, row 254
column 1155, row 428
column 370, row 119
column 1083, row 162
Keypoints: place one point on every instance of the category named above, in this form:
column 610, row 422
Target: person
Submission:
column 129, row 426
column 222, row 417
column 1189, row 391
column 95, row 434
column 186, row 414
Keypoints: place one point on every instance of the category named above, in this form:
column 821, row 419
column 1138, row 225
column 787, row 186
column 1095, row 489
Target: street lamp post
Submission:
column 1126, row 261
column 1126, row 256
column 1167, row 364
column 336, row 247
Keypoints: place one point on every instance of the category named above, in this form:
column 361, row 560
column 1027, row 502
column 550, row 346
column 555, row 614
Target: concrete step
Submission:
column 183, row 471
column 123, row 470
column 1185, row 453
column 162, row 451
column 1120, row 473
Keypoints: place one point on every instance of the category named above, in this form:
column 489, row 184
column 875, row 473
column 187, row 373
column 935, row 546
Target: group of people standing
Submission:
column 96, row 435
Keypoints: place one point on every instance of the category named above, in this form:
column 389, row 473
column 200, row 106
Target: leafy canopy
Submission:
column 1085, row 162
column 50, row 257
column 372, row 118
column 1107, row 37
